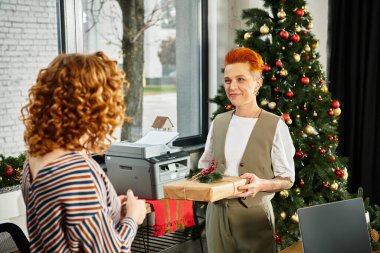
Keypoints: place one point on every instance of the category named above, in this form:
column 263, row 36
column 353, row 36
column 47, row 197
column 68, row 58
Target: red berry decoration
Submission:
column 266, row 68
column 321, row 81
column 330, row 137
column 273, row 78
column 330, row 112
column 335, row 104
column 305, row 80
column 304, row 108
column 284, row 34
column 300, row 12
column 275, row 89
column 325, row 185
column 277, row 98
column 295, row 38
column 304, row 32
column 319, row 99
column 9, row 171
column 302, row 183
column 332, row 158
column 322, row 151
column 279, row 64
column 289, row 94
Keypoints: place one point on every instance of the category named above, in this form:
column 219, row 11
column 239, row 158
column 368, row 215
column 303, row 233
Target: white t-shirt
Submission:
column 237, row 137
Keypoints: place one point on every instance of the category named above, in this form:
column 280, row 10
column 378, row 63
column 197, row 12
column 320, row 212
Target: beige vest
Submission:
column 257, row 155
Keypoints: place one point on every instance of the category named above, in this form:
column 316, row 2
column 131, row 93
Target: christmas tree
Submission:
column 295, row 87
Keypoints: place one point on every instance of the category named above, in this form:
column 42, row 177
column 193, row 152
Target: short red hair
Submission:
column 242, row 55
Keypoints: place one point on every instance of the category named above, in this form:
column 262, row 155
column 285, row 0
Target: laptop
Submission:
column 335, row 227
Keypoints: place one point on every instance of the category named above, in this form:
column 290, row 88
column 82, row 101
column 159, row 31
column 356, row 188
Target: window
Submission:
column 162, row 46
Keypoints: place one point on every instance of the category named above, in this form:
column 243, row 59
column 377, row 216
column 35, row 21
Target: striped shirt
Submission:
column 72, row 206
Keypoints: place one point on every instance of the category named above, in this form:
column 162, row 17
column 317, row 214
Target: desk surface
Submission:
column 295, row 248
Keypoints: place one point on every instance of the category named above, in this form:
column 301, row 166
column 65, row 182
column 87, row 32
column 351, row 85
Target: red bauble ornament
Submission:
column 229, row 107
column 279, row 64
column 284, row 34
column 277, row 238
column 332, row 158
column 325, row 185
column 266, row 68
column 299, row 154
column 9, row 171
column 304, row 108
column 285, row 116
column 289, row 94
column 295, row 38
column 339, row 173
column 330, row 137
column 319, row 99
column 275, row 89
column 330, row 112
column 304, row 32
column 305, row 80
column 322, row 151
column 273, row 78
column 321, row 81
column 335, row 104
column 302, row 183
column 277, row 98
column 300, row 12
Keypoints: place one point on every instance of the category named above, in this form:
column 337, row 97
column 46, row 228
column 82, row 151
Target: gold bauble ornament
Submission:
column 283, row 72
column 335, row 122
column 337, row 111
column 324, row 89
column 298, row 116
column 272, row 105
column 374, row 235
column 284, row 194
column 345, row 175
column 310, row 130
column 264, row 102
column 315, row 45
column 247, row 35
column 289, row 121
column 309, row 26
column 307, row 48
column 295, row 218
column 298, row 190
column 334, row 186
column 283, row 215
column 296, row 57
column 281, row 14
column 264, row 29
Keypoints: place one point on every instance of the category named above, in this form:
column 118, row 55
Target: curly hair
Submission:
column 75, row 104
column 243, row 54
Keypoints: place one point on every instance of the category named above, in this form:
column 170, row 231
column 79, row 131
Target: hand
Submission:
column 135, row 207
column 253, row 186
column 123, row 201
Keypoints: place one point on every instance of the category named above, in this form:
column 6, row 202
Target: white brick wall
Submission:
column 28, row 42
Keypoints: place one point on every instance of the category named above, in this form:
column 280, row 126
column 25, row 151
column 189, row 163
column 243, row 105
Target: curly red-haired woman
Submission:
column 73, row 109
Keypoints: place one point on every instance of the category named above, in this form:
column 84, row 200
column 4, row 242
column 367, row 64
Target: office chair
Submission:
column 12, row 239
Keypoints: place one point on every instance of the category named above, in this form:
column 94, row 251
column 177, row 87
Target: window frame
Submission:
column 70, row 40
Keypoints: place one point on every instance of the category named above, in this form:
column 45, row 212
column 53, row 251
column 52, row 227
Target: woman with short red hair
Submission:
column 73, row 109
column 251, row 143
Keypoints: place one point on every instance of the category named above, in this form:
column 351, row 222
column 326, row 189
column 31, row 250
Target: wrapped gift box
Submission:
column 207, row 192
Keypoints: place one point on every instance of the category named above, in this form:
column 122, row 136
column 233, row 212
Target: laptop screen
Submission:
column 335, row 227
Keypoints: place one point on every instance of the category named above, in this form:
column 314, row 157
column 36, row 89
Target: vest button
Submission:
column 241, row 164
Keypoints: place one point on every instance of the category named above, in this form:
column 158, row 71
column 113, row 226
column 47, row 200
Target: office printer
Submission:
column 145, row 167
